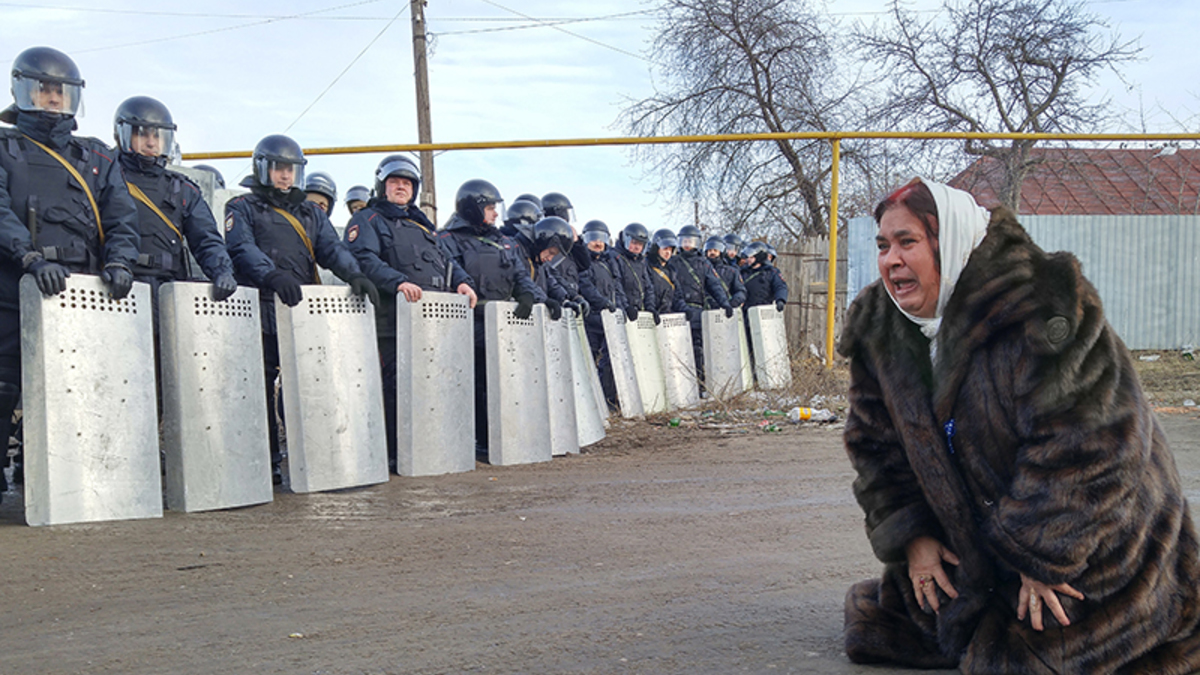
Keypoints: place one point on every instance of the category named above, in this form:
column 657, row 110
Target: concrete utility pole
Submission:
column 428, row 198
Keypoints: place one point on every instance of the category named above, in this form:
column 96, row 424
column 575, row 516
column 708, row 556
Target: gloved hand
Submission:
column 51, row 277
column 657, row 318
column 524, row 307
column 285, row 286
column 631, row 313
column 553, row 308
column 728, row 311
column 610, row 306
column 571, row 305
column 779, row 304
column 224, row 286
column 584, row 307
column 119, row 280
column 360, row 285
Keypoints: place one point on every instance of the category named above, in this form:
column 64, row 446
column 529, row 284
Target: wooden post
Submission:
column 428, row 197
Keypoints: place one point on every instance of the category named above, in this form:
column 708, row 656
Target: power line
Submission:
column 541, row 23
column 193, row 15
column 564, row 30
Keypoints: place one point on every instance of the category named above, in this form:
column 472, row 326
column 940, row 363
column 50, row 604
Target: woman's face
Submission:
column 908, row 262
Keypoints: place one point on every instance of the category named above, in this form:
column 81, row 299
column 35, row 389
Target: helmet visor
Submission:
column 689, row 242
column 148, row 141
column 47, row 96
column 277, row 173
column 595, row 235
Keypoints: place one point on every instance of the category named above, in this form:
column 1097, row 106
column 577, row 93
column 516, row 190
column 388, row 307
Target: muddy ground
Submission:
column 661, row 550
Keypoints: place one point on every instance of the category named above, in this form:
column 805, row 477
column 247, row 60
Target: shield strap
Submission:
column 303, row 237
column 82, row 183
column 141, row 197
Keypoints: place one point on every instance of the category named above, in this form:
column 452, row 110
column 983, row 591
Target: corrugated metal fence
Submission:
column 1146, row 269
column 805, row 268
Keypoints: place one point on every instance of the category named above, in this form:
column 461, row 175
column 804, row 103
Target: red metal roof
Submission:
column 1085, row 181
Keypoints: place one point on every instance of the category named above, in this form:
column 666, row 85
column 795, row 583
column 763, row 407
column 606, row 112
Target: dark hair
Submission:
column 916, row 197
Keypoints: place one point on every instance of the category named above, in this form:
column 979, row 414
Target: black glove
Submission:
column 119, row 280
column 360, row 285
column 779, row 305
column 285, row 286
column 553, row 308
column 631, row 313
column 571, row 305
column 51, row 277
column 610, row 306
column 657, row 318
column 728, row 311
column 524, row 307
column 584, row 307
column 224, row 286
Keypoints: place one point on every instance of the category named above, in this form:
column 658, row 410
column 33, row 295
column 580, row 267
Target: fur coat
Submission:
column 1029, row 448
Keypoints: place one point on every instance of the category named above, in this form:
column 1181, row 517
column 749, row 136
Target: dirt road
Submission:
column 683, row 551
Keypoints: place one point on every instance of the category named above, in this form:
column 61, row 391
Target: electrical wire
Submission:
column 542, row 23
column 564, row 30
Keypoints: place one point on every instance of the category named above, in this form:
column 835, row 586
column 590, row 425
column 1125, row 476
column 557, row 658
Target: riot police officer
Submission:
column 730, row 275
column 320, row 189
column 764, row 284
column 357, row 198
column 395, row 245
column 733, row 246
column 634, row 274
column 569, row 270
column 553, row 240
column 519, row 220
column 662, row 249
column 604, row 277
column 170, row 207
column 699, row 288
column 493, row 261
column 276, row 239
column 218, row 179
column 64, row 206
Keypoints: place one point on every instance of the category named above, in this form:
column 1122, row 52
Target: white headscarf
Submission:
column 962, row 224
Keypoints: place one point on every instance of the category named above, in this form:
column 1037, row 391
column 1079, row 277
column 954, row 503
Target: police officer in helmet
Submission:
column 733, row 246
column 603, row 276
column 277, row 238
column 64, row 206
column 357, row 198
column 218, row 179
column 663, row 246
column 519, row 221
column 730, row 275
column 171, row 211
column 634, row 274
column 699, row 288
column 569, row 270
column 396, row 247
column 320, row 189
column 764, row 284
column 494, row 262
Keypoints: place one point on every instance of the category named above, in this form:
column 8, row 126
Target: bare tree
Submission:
column 745, row 66
column 996, row 66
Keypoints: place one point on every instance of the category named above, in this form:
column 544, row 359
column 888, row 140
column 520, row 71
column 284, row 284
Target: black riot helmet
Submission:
column 148, row 120
column 322, row 184
column 755, row 250
column 635, row 232
column 595, row 230
column 523, row 215
column 531, row 198
column 714, row 244
column 557, row 204
column 46, row 80
column 772, row 254
column 358, row 193
column 218, row 179
column 734, row 243
column 473, row 197
column 552, row 232
column 278, row 152
column 690, row 237
column 663, row 238
column 402, row 166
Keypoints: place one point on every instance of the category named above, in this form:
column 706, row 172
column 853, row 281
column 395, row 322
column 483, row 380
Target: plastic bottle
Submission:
column 800, row 414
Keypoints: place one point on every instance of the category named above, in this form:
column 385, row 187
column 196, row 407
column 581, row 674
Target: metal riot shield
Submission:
column 744, row 348
column 214, row 414
column 518, row 409
column 723, row 367
column 91, row 422
column 629, row 395
column 643, row 346
column 435, row 391
column 772, row 363
column 332, row 391
column 678, row 361
column 585, row 382
column 560, row 385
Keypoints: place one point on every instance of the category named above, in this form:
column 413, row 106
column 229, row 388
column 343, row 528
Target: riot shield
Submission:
column 518, row 407
column 214, row 416
column 560, row 385
column 624, row 375
column 435, row 393
column 332, row 391
column 744, row 349
column 723, row 339
column 589, row 399
column 772, row 363
column 678, row 361
column 91, row 421
column 643, row 346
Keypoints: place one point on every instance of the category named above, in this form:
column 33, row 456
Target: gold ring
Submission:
column 921, row 581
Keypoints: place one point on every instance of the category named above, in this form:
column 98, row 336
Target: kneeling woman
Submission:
column 1014, row 478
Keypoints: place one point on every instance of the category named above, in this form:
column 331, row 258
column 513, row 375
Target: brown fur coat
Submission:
column 1055, row 467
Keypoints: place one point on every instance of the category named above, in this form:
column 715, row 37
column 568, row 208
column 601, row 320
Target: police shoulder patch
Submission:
column 229, row 222
column 352, row 233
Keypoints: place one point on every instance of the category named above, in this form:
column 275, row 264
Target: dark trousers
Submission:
column 599, row 347
column 693, row 316
column 274, row 407
column 481, row 411
column 387, row 364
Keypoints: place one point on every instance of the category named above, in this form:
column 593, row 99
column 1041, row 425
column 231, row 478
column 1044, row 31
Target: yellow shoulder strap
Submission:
column 663, row 275
column 75, row 173
column 303, row 237
column 141, row 197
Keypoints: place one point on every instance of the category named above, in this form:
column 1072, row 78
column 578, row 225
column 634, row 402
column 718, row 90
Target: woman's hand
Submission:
column 925, row 556
column 1034, row 594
